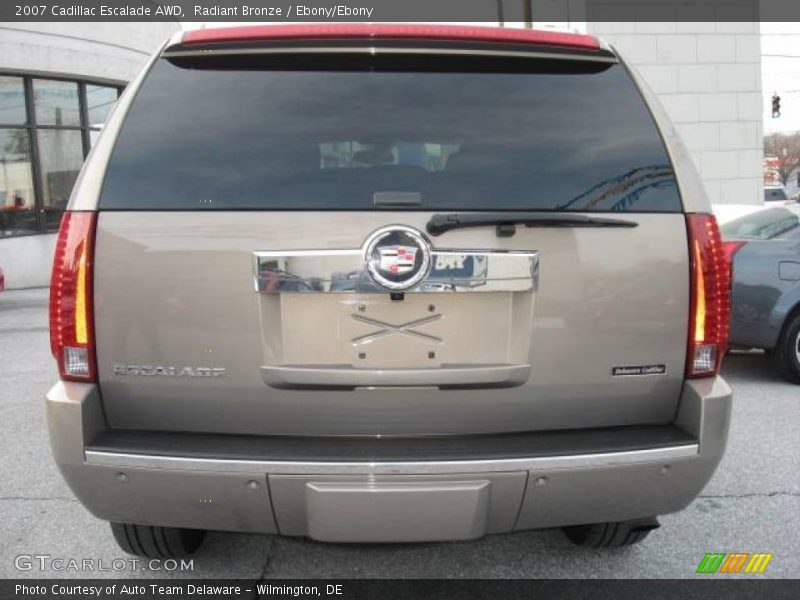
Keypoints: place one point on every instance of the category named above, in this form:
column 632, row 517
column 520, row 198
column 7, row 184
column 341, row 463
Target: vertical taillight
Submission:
column 710, row 297
column 71, row 298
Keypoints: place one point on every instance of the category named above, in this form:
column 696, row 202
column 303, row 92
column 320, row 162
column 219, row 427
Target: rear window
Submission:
column 769, row 224
column 227, row 138
column 775, row 194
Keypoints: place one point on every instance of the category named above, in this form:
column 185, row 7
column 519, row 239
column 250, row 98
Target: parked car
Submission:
column 765, row 251
column 515, row 311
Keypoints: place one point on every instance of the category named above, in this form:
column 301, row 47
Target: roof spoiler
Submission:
column 452, row 33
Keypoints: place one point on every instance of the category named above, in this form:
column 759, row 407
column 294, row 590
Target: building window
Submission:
column 18, row 215
column 56, row 103
column 12, row 100
column 46, row 129
column 60, row 160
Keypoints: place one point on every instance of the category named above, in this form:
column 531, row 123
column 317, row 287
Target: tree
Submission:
column 17, row 142
column 784, row 148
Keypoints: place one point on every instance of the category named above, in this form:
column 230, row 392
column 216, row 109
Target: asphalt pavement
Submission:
column 751, row 505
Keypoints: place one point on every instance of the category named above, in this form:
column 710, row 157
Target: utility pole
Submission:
column 527, row 11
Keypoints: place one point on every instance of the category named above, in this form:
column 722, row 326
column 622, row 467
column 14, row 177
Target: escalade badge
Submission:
column 168, row 371
column 397, row 257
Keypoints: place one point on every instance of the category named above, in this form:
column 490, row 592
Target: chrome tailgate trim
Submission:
column 345, row 271
column 310, row 377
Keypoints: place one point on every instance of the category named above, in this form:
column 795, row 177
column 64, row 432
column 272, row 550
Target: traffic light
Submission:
column 776, row 106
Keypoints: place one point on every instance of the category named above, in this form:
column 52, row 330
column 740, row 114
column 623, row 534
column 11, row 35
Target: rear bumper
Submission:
column 367, row 491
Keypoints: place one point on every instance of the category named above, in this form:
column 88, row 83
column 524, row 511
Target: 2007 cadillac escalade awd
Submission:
column 379, row 283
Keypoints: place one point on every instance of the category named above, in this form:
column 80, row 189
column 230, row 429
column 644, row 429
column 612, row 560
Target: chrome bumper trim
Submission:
column 257, row 467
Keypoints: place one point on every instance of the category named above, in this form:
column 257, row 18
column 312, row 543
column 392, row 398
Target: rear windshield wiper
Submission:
column 506, row 222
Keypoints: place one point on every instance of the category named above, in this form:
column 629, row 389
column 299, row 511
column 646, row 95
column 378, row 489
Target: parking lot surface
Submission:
column 751, row 505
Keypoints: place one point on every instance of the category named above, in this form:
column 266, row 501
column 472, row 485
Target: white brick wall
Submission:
column 708, row 77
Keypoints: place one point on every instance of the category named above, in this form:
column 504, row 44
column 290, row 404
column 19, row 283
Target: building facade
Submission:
column 707, row 76
column 58, row 82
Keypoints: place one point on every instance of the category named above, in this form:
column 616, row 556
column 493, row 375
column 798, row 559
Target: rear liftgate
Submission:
column 396, row 313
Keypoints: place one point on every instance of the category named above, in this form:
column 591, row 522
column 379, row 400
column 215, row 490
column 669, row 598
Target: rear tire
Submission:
column 786, row 354
column 157, row 542
column 610, row 535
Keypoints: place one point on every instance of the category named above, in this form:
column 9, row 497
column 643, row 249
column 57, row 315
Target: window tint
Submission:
column 223, row 138
column 358, row 155
column 779, row 223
